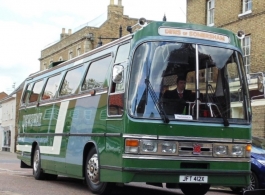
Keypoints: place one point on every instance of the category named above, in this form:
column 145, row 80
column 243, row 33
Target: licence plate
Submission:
column 193, row 179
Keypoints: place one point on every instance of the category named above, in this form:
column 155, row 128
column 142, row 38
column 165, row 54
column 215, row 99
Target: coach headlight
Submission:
column 168, row 147
column 237, row 150
column 148, row 146
column 220, row 150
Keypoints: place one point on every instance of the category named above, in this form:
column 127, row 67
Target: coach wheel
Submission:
column 254, row 182
column 189, row 189
column 37, row 172
column 92, row 174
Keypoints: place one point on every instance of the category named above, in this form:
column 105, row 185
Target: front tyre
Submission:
column 92, row 174
column 189, row 189
column 254, row 182
column 37, row 171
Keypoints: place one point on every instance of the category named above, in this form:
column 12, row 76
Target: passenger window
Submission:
column 96, row 75
column 36, row 91
column 123, row 53
column 72, row 81
column 51, row 87
column 27, row 93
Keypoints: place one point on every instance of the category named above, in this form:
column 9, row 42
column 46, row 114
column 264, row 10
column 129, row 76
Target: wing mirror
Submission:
column 117, row 74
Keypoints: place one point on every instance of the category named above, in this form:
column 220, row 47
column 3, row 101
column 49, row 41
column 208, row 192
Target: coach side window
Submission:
column 96, row 75
column 72, row 81
column 123, row 53
column 36, row 91
column 27, row 92
column 51, row 87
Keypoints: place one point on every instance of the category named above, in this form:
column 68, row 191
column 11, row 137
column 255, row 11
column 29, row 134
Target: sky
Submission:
column 28, row 26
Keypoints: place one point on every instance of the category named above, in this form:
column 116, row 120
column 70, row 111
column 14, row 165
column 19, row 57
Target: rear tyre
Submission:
column 189, row 189
column 37, row 171
column 92, row 175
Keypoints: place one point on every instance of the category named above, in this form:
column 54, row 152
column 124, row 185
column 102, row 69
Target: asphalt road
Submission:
column 17, row 181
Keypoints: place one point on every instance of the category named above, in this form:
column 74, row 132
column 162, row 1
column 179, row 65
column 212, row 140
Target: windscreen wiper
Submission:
column 158, row 105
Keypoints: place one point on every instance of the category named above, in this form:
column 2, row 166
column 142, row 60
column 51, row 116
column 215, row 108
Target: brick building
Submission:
column 110, row 25
column 3, row 95
column 246, row 15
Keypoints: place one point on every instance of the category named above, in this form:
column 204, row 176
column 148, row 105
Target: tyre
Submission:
column 254, row 183
column 37, row 171
column 92, row 175
column 189, row 189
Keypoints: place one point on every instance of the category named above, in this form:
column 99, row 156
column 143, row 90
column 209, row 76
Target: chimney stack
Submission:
column 111, row 2
column 69, row 31
column 62, row 35
column 119, row 3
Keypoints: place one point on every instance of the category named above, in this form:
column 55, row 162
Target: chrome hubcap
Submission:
column 92, row 169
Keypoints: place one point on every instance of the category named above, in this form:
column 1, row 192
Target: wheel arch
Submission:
column 87, row 148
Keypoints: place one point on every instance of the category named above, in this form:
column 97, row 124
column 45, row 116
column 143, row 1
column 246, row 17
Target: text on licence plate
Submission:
column 193, row 179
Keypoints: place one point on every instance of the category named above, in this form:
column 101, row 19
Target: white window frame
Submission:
column 246, row 6
column 246, row 47
column 210, row 12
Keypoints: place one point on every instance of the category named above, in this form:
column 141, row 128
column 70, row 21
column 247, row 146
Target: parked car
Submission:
column 257, row 177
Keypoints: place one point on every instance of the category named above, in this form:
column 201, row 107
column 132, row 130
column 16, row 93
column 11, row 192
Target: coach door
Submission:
column 116, row 106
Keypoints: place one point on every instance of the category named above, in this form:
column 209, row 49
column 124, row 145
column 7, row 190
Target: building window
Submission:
column 70, row 55
column 209, row 74
column 210, row 13
column 246, row 53
column 247, row 5
column 7, row 138
column 78, row 51
column 61, row 58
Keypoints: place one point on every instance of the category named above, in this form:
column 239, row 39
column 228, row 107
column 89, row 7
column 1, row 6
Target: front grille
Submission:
column 187, row 149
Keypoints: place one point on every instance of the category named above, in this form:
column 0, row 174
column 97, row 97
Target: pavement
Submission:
column 8, row 157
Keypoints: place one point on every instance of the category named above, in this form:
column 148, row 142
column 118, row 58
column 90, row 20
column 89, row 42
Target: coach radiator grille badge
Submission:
column 196, row 149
